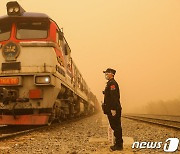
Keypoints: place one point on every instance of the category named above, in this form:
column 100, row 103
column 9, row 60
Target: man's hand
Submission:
column 113, row 112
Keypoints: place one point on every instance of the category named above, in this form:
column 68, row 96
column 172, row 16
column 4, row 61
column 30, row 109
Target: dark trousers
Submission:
column 115, row 123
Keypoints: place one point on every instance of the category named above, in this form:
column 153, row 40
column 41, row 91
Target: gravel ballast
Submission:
column 74, row 137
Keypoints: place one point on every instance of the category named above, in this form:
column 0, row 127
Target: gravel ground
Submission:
column 145, row 132
column 73, row 138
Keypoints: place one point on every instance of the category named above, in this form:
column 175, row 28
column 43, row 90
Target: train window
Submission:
column 57, row 38
column 32, row 30
column 61, row 35
column 5, row 31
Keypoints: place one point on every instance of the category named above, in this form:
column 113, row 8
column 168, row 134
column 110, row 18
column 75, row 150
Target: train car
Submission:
column 39, row 81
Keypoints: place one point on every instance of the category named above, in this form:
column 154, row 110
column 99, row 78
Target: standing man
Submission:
column 112, row 107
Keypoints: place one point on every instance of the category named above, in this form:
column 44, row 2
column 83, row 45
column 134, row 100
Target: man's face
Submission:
column 108, row 76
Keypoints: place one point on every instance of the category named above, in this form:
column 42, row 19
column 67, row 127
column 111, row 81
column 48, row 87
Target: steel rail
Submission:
column 9, row 135
column 158, row 121
column 17, row 133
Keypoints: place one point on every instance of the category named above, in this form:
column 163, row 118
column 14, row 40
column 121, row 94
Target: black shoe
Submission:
column 116, row 147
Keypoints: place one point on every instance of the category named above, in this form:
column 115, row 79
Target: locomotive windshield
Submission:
column 32, row 30
column 5, row 31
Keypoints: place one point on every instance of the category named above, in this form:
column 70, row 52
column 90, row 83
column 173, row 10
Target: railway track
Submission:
column 12, row 131
column 7, row 132
column 170, row 121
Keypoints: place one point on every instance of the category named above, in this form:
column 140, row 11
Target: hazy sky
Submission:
column 138, row 38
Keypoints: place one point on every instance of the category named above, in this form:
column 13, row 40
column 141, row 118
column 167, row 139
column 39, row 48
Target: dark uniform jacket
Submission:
column 112, row 96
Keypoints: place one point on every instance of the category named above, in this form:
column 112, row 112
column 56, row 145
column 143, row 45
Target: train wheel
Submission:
column 49, row 122
column 52, row 116
column 59, row 119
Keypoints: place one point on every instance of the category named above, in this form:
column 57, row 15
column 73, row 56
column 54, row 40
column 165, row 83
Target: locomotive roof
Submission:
column 27, row 15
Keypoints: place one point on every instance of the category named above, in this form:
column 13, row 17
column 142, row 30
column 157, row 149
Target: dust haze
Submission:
column 138, row 38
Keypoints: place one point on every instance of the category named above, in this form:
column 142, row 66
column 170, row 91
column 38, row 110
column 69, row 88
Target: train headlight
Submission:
column 13, row 8
column 10, row 10
column 16, row 9
column 43, row 79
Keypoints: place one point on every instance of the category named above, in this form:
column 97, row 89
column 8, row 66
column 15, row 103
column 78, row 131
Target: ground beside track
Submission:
column 79, row 138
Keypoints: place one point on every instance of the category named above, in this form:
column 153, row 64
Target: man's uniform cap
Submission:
column 110, row 70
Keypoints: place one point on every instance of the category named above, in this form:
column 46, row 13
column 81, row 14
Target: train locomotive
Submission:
column 39, row 81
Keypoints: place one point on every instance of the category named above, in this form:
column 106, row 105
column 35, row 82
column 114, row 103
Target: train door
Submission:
column 60, row 57
column 68, row 61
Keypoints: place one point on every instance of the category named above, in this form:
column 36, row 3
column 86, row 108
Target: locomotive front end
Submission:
column 39, row 81
column 28, row 62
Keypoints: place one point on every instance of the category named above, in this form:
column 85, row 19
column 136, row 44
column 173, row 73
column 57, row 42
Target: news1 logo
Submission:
column 170, row 145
